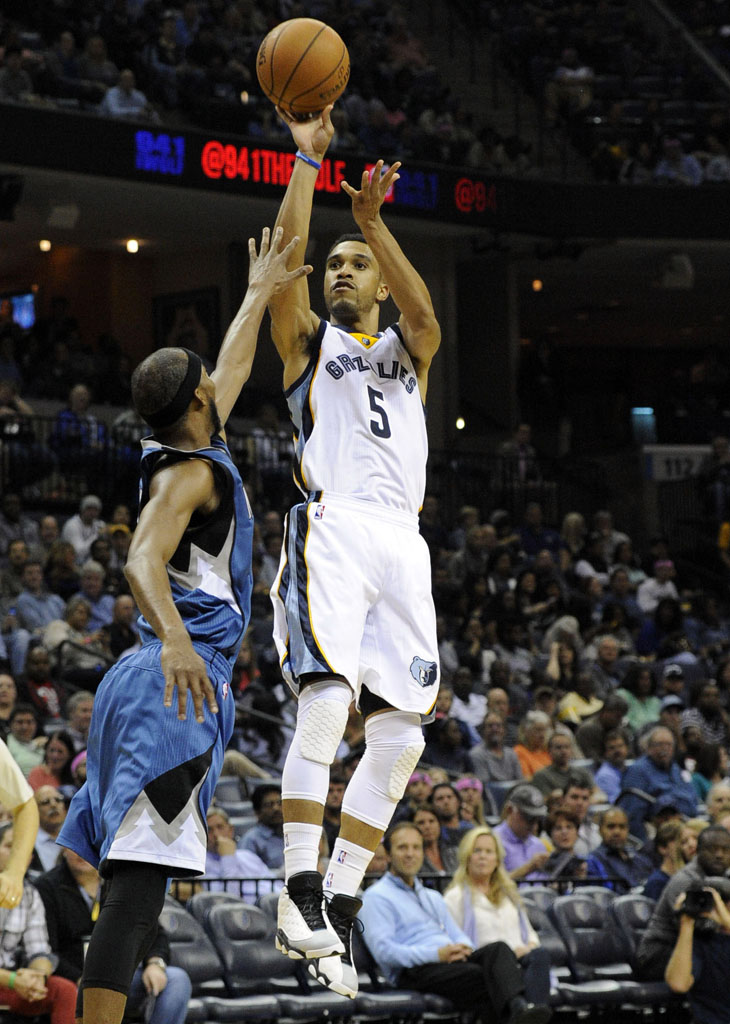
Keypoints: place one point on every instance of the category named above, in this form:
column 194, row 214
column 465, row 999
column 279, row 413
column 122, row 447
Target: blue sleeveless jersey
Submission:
column 151, row 777
column 210, row 572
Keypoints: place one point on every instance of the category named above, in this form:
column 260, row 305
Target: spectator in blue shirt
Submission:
column 622, row 868
column 666, row 843
column 79, row 438
column 266, row 839
column 535, row 536
column 417, row 943
column 92, row 586
column 35, row 607
column 677, row 167
column 609, row 776
column 653, row 775
column 124, row 100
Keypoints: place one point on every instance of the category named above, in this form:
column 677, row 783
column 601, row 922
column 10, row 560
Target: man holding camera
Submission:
column 700, row 960
column 711, row 860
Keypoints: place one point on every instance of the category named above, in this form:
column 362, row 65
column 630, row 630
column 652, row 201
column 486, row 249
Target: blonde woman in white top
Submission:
column 485, row 903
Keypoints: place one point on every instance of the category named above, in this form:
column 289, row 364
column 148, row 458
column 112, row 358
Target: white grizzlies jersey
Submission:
column 359, row 423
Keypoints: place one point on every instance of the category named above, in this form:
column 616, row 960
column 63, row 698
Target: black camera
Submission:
column 697, row 901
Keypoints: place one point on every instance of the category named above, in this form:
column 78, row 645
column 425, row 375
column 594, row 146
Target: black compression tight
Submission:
column 127, row 925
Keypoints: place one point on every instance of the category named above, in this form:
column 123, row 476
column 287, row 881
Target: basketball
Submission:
column 302, row 65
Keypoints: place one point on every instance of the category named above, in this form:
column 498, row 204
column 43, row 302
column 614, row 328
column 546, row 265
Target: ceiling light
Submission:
column 44, row 245
column 132, row 245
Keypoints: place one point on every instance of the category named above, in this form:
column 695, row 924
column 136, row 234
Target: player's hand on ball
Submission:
column 314, row 136
column 268, row 268
column 367, row 201
column 183, row 668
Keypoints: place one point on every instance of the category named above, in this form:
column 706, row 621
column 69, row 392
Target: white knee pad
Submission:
column 321, row 720
column 394, row 744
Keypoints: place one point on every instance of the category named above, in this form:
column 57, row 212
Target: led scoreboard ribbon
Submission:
column 432, row 192
column 78, row 143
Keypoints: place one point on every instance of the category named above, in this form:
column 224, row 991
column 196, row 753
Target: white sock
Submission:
column 346, row 868
column 301, row 847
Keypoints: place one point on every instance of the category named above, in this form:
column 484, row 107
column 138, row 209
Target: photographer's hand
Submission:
column 723, row 914
column 679, row 903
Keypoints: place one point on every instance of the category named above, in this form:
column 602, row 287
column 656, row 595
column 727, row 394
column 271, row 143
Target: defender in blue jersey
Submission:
column 151, row 768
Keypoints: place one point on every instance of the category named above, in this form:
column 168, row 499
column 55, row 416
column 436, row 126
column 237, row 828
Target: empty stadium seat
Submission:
column 594, row 950
column 228, row 789
column 237, row 808
column 316, row 1006
column 191, row 949
column 550, row 939
column 244, row 939
column 599, row 957
column 200, row 904
column 631, row 914
column 269, row 903
column 602, row 895
column 541, row 895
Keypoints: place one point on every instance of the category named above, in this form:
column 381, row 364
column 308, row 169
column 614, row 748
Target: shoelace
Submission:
column 309, row 905
column 343, row 927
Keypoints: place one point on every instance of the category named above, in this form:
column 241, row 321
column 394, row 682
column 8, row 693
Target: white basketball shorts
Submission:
column 353, row 598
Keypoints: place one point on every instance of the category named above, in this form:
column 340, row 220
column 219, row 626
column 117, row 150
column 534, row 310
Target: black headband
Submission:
column 176, row 407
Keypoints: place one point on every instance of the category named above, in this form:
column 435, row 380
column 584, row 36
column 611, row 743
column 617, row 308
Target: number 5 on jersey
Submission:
column 381, row 427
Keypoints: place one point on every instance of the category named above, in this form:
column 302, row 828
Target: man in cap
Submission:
column 82, row 529
column 672, row 681
column 524, row 853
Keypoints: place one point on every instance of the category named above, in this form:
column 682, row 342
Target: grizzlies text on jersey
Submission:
column 359, row 423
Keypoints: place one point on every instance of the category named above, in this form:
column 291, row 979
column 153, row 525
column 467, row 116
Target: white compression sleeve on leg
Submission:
column 321, row 720
column 394, row 743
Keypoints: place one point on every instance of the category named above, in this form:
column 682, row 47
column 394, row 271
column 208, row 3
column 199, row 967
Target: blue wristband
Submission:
column 307, row 159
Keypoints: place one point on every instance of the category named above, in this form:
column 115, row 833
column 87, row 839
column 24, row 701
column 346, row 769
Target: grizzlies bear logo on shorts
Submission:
column 424, row 672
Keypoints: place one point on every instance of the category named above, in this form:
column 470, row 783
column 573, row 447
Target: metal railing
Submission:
column 52, row 463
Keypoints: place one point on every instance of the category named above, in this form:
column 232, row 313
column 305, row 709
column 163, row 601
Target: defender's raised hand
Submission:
column 268, row 267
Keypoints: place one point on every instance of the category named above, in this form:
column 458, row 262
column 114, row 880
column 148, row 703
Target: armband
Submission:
column 307, row 159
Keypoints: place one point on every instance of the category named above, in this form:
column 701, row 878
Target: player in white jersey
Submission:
column 354, row 616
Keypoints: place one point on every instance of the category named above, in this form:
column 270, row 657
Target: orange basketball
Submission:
column 302, row 65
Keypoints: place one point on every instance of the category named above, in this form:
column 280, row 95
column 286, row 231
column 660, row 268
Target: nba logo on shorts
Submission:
column 342, row 857
column 224, row 691
column 319, row 512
